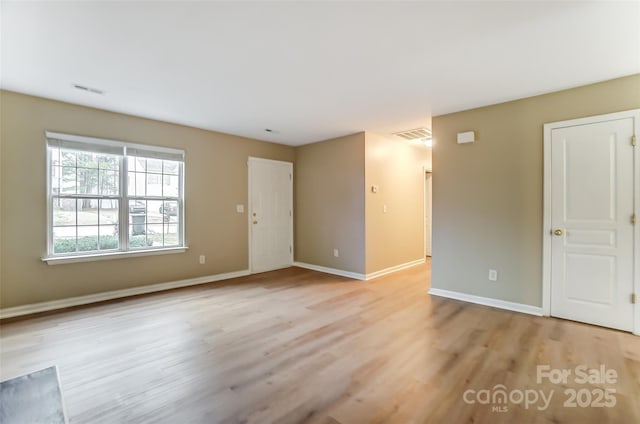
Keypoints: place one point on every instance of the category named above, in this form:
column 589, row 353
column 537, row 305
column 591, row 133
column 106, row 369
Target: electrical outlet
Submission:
column 493, row 275
column 202, row 259
column 240, row 208
column 384, row 208
column 336, row 253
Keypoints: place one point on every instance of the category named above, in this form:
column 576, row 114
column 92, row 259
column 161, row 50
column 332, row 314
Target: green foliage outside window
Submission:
column 90, row 243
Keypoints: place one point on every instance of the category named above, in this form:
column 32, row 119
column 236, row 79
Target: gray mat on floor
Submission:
column 32, row 398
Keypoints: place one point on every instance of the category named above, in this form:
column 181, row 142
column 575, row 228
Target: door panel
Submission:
column 590, row 167
column 591, row 206
column 590, row 278
column 271, row 216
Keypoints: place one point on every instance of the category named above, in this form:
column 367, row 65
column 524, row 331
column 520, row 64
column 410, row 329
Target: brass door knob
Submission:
column 558, row 232
column 255, row 222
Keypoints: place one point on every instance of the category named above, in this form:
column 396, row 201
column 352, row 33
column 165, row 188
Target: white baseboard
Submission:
column 334, row 271
column 356, row 275
column 394, row 269
column 115, row 294
column 487, row 301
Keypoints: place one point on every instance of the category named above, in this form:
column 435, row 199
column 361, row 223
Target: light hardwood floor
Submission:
column 295, row 346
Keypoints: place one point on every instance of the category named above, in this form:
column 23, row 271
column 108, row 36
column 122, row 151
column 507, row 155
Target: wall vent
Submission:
column 415, row 134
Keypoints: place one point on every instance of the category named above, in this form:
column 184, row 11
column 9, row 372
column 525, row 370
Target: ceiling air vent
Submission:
column 415, row 134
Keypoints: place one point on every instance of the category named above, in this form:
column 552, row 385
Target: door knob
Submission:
column 255, row 222
column 558, row 232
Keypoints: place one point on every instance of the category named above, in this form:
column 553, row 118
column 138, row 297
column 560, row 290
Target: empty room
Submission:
column 337, row 212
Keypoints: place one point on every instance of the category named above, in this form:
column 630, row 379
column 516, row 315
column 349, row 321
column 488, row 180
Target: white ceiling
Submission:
column 311, row 70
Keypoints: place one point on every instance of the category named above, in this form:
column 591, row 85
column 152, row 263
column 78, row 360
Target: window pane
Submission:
column 87, row 181
column 68, row 158
column 169, row 210
column 137, row 217
column 109, row 182
column 141, row 164
column 88, row 159
column 68, row 180
column 87, row 212
column 55, row 156
column 109, row 162
column 131, row 183
column 171, row 235
column 154, row 165
column 137, row 207
column 170, row 167
column 137, row 184
column 131, row 163
column 108, row 237
column 88, row 238
column 64, row 239
column 88, row 231
column 56, row 177
column 139, row 242
column 153, row 210
column 154, row 185
column 109, row 211
column 171, row 184
column 154, row 234
column 64, row 212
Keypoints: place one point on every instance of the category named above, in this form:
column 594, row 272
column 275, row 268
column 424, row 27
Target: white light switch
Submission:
column 240, row 208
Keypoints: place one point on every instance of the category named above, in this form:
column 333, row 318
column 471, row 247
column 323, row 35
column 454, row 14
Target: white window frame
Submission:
column 123, row 148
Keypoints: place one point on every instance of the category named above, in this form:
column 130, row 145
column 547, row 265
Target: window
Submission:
column 107, row 197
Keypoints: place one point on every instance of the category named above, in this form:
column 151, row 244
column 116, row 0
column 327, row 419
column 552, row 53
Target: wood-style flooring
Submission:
column 295, row 346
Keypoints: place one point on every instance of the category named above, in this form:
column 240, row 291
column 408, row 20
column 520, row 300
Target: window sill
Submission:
column 58, row 260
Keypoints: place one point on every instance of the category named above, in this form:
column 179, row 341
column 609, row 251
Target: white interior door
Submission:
column 427, row 213
column 592, row 234
column 270, row 214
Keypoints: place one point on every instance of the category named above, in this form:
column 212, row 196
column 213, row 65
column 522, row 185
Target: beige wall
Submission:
column 397, row 236
column 215, row 181
column 330, row 203
column 487, row 197
column 487, row 200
